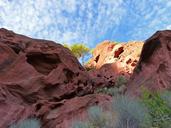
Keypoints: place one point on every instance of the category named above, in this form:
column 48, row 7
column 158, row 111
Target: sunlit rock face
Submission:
column 153, row 70
column 111, row 60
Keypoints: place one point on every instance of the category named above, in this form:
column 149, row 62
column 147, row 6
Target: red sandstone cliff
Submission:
column 39, row 78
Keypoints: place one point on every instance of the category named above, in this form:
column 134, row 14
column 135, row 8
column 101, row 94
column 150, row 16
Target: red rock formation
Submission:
column 154, row 67
column 111, row 60
column 64, row 114
column 36, row 77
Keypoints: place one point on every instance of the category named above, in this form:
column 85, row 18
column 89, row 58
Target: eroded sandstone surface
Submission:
column 39, row 77
column 153, row 70
column 110, row 60
column 42, row 79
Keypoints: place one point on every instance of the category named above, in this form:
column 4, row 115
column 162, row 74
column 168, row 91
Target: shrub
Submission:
column 112, row 91
column 152, row 110
column 97, row 118
column 80, row 124
column 159, row 107
column 28, row 123
column 166, row 96
column 101, row 119
column 124, row 113
column 121, row 80
column 117, row 89
column 131, row 113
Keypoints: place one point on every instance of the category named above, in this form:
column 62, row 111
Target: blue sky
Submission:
column 87, row 21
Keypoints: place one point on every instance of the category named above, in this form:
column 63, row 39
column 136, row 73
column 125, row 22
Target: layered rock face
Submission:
column 39, row 78
column 111, row 60
column 153, row 70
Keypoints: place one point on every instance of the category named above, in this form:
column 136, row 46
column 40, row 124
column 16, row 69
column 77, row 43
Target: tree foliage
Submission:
column 78, row 49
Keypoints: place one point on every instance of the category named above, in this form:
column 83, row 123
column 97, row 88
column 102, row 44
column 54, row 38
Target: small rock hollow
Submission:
column 118, row 52
column 43, row 63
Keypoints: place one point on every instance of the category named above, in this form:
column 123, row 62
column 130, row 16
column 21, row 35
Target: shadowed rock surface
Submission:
column 38, row 77
column 153, row 70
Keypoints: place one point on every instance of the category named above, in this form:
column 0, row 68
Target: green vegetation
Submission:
column 117, row 89
column 159, row 107
column 28, row 123
column 151, row 110
column 124, row 113
column 79, row 50
column 112, row 91
column 92, row 50
column 121, row 80
column 97, row 118
column 131, row 113
column 166, row 96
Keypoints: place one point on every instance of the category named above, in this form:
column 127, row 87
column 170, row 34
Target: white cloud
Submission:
column 168, row 27
column 85, row 21
column 151, row 16
column 61, row 20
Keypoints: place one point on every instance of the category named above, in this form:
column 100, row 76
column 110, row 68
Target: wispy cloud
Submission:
column 88, row 21
column 61, row 20
column 146, row 17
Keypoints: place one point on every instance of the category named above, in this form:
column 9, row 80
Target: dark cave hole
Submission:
column 69, row 74
column 38, row 106
column 16, row 49
column 97, row 58
column 118, row 52
column 168, row 47
column 43, row 63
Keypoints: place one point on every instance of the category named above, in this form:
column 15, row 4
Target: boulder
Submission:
column 66, row 113
column 153, row 70
column 36, row 74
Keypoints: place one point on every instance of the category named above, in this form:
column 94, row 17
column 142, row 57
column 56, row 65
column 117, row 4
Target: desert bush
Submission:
column 117, row 89
column 166, row 96
column 158, row 104
column 80, row 124
column 131, row 113
column 101, row 119
column 97, row 118
column 28, row 123
column 124, row 113
column 151, row 110
column 121, row 80
column 112, row 91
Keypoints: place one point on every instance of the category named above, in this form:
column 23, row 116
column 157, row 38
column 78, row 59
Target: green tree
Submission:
column 79, row 50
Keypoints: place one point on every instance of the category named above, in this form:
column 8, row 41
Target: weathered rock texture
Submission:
column 111, row 60
column 66, row 113
column 38, row 78
column 42, row 79
column 153, row 70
